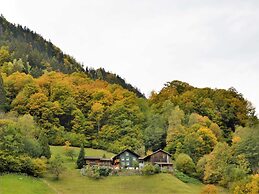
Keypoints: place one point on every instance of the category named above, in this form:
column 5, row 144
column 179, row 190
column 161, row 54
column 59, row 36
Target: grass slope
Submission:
column 20, row 184
column 72, row 182
column 157, row 184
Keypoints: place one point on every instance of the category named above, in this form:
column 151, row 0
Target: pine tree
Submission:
column 43, row 140
column 81, row 158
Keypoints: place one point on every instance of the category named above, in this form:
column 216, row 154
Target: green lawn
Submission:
column 19, row 184
column 72, row 182
column 157, row 184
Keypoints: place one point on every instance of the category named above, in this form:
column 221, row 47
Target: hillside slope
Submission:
column 38, row 55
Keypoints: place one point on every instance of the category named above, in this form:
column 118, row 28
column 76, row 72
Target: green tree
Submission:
column 43, row 141
column 217, row 162
column 248, row 145
column 98, row 111
column 81, row 158
column 69, row 152
column 176, row 129
column 185, row 164
column 2, row 95
column 4, row 55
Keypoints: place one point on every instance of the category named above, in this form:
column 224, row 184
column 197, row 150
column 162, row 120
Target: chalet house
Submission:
column 129, row 159
column 125, row 159
column 98, row 161
column 159, row 157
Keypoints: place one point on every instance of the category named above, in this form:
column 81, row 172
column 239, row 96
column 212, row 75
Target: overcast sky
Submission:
column 207, row 43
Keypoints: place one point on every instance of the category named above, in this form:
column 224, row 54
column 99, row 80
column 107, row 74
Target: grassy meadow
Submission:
column 20, row 184
column 71, row 181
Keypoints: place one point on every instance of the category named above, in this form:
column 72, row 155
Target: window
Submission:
column 127, row 163
column 134, row 159
column 127, row 159
column 122, row 159
column 127, row 154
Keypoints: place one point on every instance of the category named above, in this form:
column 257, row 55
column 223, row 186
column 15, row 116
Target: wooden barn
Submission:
column 159, row 157
column 98, row 161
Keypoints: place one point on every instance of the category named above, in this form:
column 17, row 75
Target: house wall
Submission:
column 98, row 162
column 127, row 159
column 160, row 157
column 92, row 162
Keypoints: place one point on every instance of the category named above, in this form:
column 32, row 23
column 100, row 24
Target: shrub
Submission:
column 92, row 172
column 157, row 169
column 56, row 166
column 185, row 178
column 209, row 189
column 39, row 167
column 104, row 171
column 150, row 169
column 97, row 172
column 185, row 164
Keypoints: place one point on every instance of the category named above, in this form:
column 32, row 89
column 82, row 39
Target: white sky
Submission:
column 207, row 43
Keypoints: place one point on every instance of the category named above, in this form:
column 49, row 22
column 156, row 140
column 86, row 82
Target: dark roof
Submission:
column 160, row 150
column 125, row 151
column 164, row 163
column 92, row 158
column 97, row 158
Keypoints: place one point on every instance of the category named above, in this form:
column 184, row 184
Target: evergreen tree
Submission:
column 2, row 95
column 43, row 140
column 81, row 158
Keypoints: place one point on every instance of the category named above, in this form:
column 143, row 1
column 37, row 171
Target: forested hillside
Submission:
column 48, row 98
column 75, row 108
column 26, row 51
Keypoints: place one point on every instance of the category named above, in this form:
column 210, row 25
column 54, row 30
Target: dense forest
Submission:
column 47, row 98
column 35, row 56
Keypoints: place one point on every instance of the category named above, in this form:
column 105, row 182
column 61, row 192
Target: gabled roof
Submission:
column 160, row 150
column 125, row 151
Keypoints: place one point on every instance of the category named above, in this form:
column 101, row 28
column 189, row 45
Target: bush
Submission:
column 150, row 169
column 200, row 167
column 104, row 171
column 185, row 178
column 39, row 167
column 209, row 189
column 97, row 172
column 56, row 166
column 185, row 164
column 157, row 169
column 22, row 164
column 92, row 172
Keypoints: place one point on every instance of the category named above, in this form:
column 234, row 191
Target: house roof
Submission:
column 97, row 158
column 125, row 151
column 164, row 163
column 160, row 150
